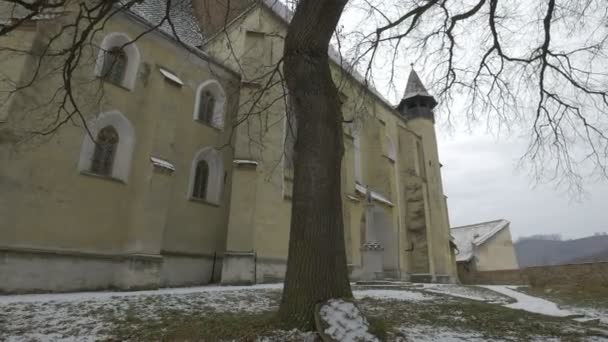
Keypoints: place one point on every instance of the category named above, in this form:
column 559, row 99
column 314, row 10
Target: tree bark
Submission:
column 316, row 266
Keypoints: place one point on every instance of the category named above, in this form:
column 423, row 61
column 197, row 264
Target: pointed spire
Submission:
column 414, row 86
column 416, row 101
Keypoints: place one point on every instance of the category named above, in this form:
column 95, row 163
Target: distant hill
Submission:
column 540, row 252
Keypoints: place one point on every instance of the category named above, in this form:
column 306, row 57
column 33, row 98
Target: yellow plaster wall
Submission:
column 497, row 253
column 373, row 120
column 46, row 203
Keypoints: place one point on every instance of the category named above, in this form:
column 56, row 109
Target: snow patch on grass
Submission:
column 528, row 303
column 428, row 333
column 108, row 295
column 405, row 295
column 288, row 335
column 345, row 322
column 467, row 292
column 90, row 316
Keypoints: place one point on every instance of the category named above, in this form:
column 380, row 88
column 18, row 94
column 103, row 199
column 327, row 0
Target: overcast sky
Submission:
column 483, row 182
column 480, row 173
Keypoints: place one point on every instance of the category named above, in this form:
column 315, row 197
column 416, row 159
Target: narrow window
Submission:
column 201, row 178
column 420, row 154
column 206, row 107
column 105, row 151
column 114, row 65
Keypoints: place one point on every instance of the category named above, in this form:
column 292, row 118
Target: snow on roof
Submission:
column 171, row 76
column 182, row 17
column 161, row 163
column 245, row 162
column 471, row 236
column 375, row 195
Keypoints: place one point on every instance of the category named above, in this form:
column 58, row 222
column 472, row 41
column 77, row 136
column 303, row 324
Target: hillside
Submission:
column 538, row 252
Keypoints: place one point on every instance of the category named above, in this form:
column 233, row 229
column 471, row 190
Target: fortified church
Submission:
column 176, row 171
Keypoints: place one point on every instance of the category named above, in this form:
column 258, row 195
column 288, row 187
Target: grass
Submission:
column 175, row 326
column 491, row 321
column 218, row 316
column 594, row 297
column 386, row 317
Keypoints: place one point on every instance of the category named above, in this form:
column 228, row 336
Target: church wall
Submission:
column 373, row 123
column 83, row 223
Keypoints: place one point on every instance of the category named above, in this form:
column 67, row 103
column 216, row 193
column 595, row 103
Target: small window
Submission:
column 201, row 178
column 209, row 105
column 114, row 65
column 420, row 170
column 105, row 151
column 206, row 107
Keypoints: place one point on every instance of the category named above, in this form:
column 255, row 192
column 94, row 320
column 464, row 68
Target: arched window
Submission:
column 210, row 104
column 105, row 151
column 201, row 179
column 206, row 106
column 108, row 146
column 114, row 65
column 118, row 60
column 207, row 176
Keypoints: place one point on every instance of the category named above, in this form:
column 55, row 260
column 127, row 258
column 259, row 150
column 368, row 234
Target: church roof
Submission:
column 181, row 14
column 414, row 86
column 182, row 18
column 467, row 238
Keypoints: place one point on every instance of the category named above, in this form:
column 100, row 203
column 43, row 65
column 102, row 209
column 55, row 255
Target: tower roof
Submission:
column 414, row 86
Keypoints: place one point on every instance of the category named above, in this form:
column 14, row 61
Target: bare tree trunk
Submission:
column 316, row 267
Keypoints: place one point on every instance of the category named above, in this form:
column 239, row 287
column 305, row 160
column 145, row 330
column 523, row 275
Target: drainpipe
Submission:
column 213, row 267
column 255, row 267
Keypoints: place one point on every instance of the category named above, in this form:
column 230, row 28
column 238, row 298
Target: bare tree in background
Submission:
column 542, row 64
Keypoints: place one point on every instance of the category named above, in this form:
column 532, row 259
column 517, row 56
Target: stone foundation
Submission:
column 270, row 270
column 181, row 269
column 32, row 270
column 239, row 268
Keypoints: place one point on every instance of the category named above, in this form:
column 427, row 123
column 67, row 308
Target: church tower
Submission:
column 427, row 218
column 416, row 101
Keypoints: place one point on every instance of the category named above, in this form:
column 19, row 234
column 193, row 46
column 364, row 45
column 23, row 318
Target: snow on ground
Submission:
column 89, row 315
column 103, row 295
column 405, row 295
column 528, row 303
column 589, row 313
column 467, row 292
column 345, row 322
column 428, row 333
column 290, row 335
